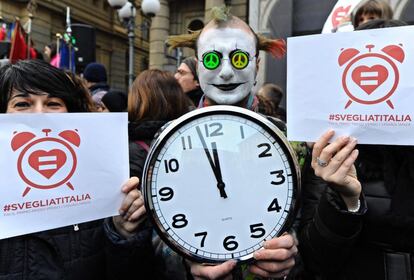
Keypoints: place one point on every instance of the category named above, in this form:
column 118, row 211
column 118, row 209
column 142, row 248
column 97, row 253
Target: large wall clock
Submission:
column 219, row 181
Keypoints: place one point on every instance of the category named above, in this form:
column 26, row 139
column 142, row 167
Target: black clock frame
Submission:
column 175, row 125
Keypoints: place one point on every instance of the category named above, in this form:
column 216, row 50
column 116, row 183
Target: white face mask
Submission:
column 226, row 84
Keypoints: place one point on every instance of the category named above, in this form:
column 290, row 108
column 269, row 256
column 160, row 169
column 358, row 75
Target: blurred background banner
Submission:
column 340, row 17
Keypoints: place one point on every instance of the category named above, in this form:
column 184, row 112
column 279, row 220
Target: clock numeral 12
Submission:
column 179, row 221
column 204, row 235
column 171, row 165
column 279, row 175
column 217, row 129
column 230, row 244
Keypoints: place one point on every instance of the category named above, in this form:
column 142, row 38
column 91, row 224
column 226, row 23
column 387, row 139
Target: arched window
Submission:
column 195, row 25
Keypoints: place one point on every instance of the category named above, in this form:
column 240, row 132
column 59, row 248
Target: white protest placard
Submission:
column 60, row 169
column 340, row 17
column 357, row 83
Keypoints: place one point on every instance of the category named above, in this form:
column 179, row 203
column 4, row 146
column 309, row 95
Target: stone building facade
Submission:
column 111, row 37
column 273, row 18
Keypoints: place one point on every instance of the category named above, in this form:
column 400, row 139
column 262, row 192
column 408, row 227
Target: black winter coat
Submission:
column 72, row 252
column 145, row 132
column 195, row 96
column 378, row 241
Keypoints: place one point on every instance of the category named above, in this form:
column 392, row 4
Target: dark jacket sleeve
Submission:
column 137, row 156
column 328, row 231
column 126, row 256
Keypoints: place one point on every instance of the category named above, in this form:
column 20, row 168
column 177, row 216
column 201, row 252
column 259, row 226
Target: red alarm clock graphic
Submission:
column 340, row 15
column 372, row 77
column 46, row 162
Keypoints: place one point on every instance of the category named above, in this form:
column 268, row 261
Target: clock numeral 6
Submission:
column 265, row 153
column 179, row 221
column 166, row 193
column 257, row 230
column 274, row 206
column 217, row 129
column 280, row 176
column 171, row 165
column 230, row 244
column 204, row 235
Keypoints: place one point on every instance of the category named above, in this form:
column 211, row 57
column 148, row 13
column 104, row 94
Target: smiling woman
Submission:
column 82, row 251
column 28, row 84
column 30, row 103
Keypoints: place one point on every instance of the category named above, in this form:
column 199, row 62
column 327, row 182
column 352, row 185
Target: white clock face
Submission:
column 219, row 185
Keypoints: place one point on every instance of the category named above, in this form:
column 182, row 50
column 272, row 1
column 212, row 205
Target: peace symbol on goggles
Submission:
column 239, row 59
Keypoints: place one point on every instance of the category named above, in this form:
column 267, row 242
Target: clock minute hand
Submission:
column 220, row 183
column 216, row 171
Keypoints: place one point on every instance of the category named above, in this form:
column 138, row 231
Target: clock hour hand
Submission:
column 213, row 163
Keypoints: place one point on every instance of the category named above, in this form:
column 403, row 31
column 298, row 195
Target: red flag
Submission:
column 33, row 54
column 18, row 44
column 3, row 33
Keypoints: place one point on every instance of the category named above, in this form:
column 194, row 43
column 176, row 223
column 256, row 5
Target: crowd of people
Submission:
column 356, row 220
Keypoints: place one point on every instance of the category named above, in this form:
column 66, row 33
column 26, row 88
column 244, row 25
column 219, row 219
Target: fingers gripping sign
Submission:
column 334, row 163
column 132, row 210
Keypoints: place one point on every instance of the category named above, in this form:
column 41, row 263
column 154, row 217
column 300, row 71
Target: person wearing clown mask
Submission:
column 228, row 58
column 227, row 65
column 227, row 52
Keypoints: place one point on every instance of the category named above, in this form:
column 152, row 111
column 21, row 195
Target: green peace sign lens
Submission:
column 239, row 59
column 211, row 60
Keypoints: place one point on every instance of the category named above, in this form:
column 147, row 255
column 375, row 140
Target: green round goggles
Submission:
column 239, row 59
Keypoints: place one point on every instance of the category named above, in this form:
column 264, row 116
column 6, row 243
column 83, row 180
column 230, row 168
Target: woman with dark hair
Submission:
column 155, row 98
column 81, row 251
column 359, row 222
column 371, row 9
column 36, row 79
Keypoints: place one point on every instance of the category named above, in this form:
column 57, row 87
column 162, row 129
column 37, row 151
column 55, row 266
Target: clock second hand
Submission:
column 215, row 165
